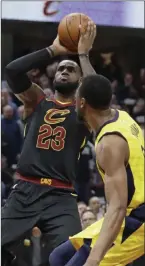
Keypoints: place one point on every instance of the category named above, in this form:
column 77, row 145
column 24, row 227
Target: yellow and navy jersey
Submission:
column 124, row 126
column 53, row 139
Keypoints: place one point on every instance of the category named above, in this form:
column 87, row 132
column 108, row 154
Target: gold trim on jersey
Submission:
column 63, row 102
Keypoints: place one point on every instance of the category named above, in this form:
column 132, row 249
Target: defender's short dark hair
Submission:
column 97, row 91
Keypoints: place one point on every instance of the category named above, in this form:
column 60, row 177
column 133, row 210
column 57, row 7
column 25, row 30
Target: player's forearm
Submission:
column 16, row 70
column 109, row 231
column 86, row 66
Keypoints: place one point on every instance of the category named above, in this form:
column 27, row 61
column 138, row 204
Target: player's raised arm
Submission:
column 16, row 74
column 84, row 46
column 112, row 155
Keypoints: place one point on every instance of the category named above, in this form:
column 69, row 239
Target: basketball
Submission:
column 68, row 30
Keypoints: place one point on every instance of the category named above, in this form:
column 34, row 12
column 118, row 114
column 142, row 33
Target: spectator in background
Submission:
column 129, row 87
column 142, row 76
column 11, row 135
column 139, row 108
column 94, row 204
column 87, row 219
column 115, row 104
column 7, row 100
column 34, row 75
column 139, row 111
column 127, row 90
column 44, row 82
column 102, row 211
column 81, row 207
column 114, row 86
column 50, row 71
column 20, row 120
column 21, row 112
column 142, row 79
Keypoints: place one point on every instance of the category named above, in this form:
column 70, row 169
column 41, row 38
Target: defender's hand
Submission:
column 87, row 38
column 58, row 48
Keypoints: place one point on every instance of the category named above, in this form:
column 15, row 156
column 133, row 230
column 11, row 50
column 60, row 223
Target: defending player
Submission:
column 43, row 196
column 118, row 239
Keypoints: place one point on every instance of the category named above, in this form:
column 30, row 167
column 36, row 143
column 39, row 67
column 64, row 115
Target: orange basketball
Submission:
column 68, row 30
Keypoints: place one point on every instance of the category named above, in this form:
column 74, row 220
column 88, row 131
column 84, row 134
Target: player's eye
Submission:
column 61, row 68
column 70, row 69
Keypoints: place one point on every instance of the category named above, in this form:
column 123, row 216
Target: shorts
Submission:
column 53, row 210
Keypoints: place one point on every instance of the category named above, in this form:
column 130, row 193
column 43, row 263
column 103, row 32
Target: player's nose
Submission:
column 65, row 72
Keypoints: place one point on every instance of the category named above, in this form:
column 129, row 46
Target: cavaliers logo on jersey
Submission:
column 134, row 130
column 49, row 137
column 55, row 116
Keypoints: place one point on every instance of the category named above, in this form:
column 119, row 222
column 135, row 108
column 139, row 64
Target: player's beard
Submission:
column 81, row 119
column 66, row 89
column 80, row 116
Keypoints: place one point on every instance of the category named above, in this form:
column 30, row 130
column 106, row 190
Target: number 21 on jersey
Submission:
column 52, row 138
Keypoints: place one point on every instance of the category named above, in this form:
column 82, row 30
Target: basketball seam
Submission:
column 70, row 35
column 64, row 43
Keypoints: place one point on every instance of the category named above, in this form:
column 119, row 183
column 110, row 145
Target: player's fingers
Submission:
column 88, row 30
column 94, row 32
column 82, row 32
column 91, row 29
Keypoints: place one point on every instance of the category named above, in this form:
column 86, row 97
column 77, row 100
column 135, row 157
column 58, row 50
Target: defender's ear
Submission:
column 80, row 80
column 83, row 102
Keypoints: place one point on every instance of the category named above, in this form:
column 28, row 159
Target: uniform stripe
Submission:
column 131, row 225
column 130, row 183
column 132, row 222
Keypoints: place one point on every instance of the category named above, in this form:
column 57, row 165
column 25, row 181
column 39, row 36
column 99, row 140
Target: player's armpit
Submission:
column 30, row 98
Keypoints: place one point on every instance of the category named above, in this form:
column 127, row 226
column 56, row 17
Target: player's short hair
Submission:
column 81, row 202
column 87, row 211
column 97, row 91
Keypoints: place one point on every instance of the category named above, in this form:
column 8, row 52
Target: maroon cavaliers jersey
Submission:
column 52, row 142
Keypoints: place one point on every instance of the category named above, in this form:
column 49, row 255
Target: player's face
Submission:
column 67, row 77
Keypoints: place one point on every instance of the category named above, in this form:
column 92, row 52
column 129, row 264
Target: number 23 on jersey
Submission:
column 52, row 138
